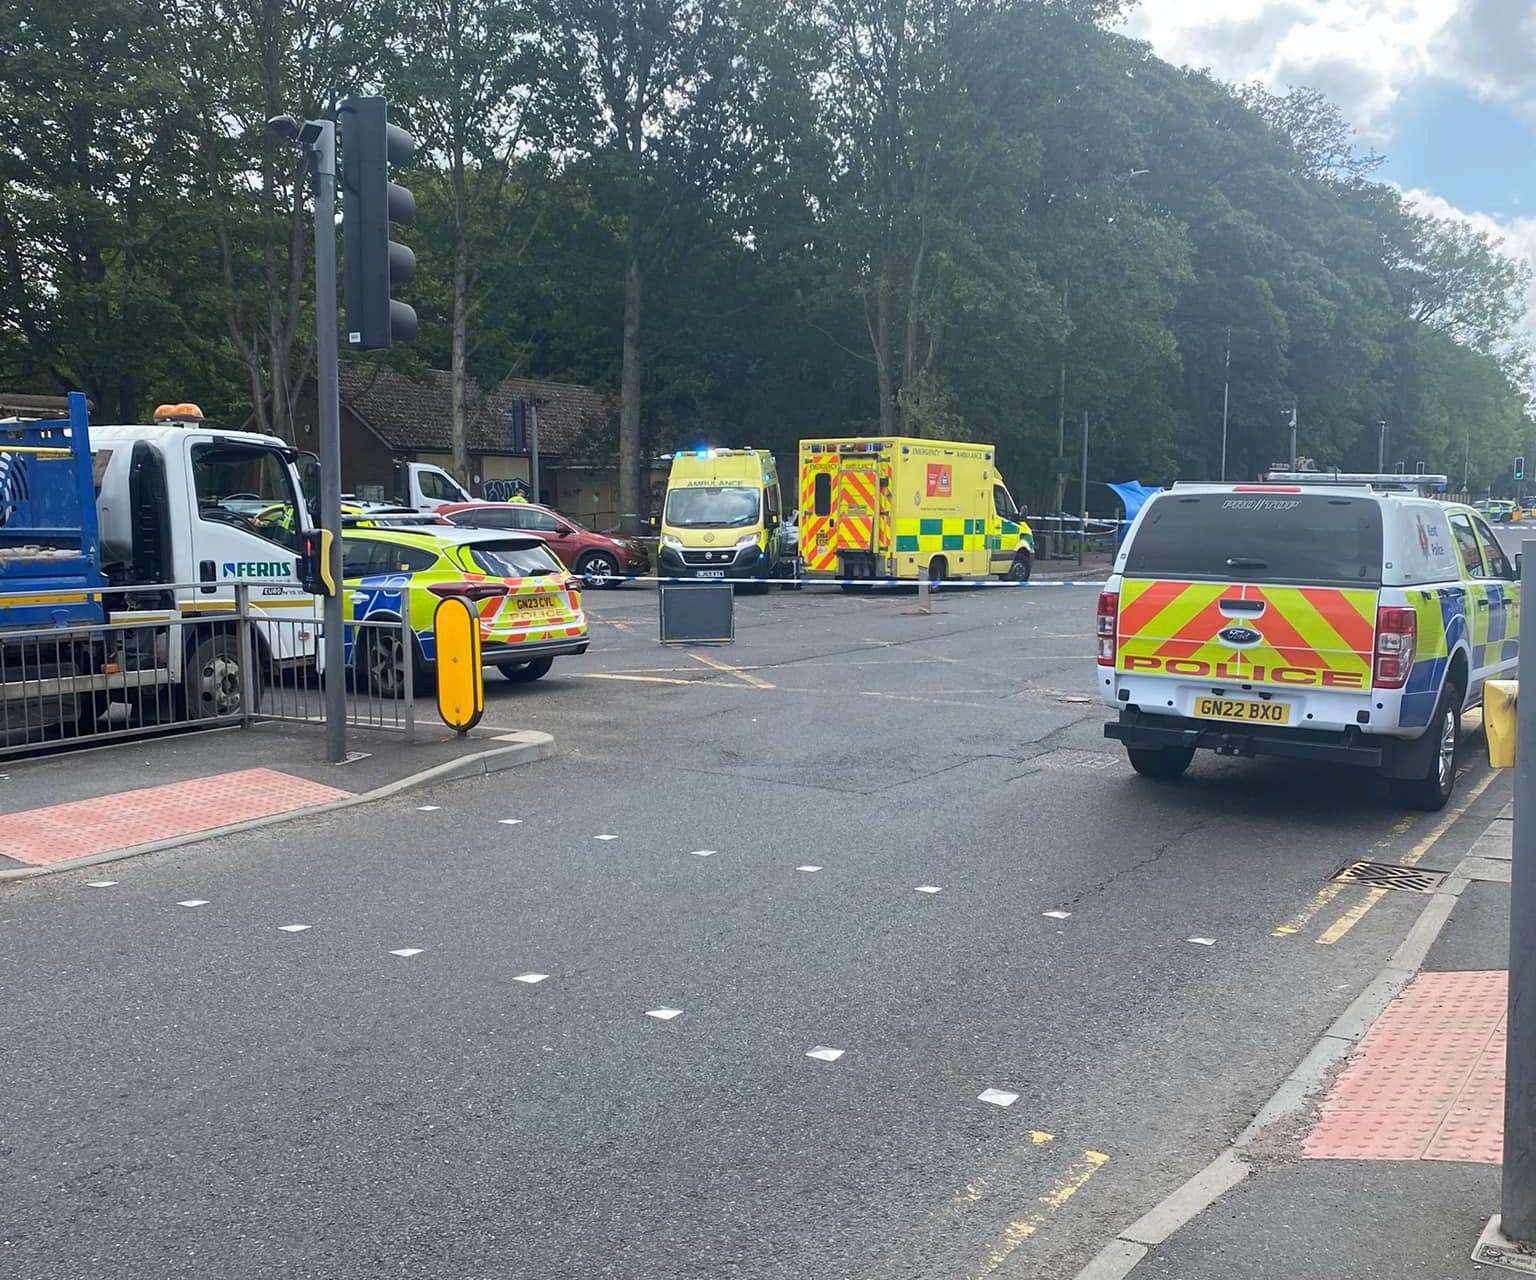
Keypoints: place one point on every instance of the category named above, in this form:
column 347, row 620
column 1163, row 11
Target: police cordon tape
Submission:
column 939, row 584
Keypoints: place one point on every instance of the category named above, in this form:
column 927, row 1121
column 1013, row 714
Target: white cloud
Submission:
column 1364, row 54
column 1490, row 45
column 1517, row 235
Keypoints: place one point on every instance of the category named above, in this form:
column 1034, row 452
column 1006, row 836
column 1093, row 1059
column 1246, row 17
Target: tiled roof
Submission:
column 415, row 415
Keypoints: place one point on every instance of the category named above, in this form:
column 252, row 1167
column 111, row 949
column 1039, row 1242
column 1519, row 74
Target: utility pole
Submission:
column 1082, row 496
column 1226, row 400
column 1293, row 437
column 323, row 168
column 533, row 448
column 1381, row 446
column 1061, row 420
column 1517, row 1206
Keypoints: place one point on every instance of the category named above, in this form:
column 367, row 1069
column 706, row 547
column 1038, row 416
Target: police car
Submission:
column 1349, row 619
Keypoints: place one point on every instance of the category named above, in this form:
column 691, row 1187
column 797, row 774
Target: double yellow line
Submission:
column 1357, row 912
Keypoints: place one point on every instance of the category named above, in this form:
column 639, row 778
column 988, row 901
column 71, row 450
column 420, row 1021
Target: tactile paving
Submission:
column 1427, row 1081
column 41, row 837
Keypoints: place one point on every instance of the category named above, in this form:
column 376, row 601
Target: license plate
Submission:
column 711, row 573
column 1242, row 709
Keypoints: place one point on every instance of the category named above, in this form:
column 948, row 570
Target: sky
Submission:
column 1444, row 89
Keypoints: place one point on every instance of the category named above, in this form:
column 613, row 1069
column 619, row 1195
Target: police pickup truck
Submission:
column 1349, row 620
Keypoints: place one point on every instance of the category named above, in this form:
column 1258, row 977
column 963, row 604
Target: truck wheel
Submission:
column 525, row 672
column 1162, row 763
column 1432, row 792
column 1023, row 565
column 211, row 680
column 938, row 571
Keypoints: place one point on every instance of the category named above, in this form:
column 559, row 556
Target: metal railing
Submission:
column 192, row 655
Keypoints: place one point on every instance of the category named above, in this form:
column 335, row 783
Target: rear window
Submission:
column 1305, row 538
column 515, row 561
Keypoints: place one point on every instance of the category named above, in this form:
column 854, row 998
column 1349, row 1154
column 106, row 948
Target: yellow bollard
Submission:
column 1499, row 699
column 460, row 675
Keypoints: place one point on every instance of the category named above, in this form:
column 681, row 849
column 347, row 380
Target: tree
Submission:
column 465, row 68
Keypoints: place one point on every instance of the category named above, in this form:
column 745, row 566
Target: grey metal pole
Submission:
column 1226, row 400
column 1381, row 447
column 323, row 169
column 1293, row 437
column 533, row 449
column 1082, row 496
column 1518, row 1201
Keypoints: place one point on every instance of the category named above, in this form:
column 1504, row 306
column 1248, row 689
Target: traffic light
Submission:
column 1520, row 467
column 374, row 265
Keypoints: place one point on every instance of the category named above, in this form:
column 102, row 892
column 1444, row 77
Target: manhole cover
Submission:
column 1390, row 875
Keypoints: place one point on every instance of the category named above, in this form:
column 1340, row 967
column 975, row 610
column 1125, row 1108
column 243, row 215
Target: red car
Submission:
column 596, row 555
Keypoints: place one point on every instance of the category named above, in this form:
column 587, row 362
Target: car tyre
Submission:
column 525, row 672
column 1433, row 791
column 1162, row 763
column 602, row 569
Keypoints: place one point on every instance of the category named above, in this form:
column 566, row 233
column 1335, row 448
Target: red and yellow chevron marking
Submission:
column 816, row 532
column 856, row 507
column 886, row 543
column 1174, row 627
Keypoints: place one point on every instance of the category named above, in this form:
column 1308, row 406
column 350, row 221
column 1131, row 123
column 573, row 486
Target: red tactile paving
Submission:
column 42, row 837
column 1427, row 1081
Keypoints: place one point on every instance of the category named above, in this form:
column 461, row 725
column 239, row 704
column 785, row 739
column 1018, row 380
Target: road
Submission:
column 744, row 835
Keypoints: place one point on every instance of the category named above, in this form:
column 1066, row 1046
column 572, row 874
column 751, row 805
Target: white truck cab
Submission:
column 1346, row 621
column 179, row 502
column 424, row 487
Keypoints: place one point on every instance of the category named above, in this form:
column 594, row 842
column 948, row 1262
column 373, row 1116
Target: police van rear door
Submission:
column 1261, row 585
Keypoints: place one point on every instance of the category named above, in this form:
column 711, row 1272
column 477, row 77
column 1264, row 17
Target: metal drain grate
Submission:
column 1390, row 875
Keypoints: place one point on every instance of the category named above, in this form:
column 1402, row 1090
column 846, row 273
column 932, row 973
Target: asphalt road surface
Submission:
column 877, row 862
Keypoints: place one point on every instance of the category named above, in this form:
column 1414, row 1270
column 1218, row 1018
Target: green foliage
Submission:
column 970, row 218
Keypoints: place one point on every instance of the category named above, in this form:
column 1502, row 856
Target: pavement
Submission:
column 849, row 949
column 1392, row 1168
column 80, row 808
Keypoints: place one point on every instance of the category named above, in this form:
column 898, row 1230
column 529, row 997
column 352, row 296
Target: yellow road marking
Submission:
column 755, row 681
column 1062, row 1190
column 1330, row 891
column 1356, row 913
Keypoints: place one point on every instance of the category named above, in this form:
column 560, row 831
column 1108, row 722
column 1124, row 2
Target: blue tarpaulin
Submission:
column 1133, row 496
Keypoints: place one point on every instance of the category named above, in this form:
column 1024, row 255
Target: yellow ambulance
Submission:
column 888, row 506
column 723, row 517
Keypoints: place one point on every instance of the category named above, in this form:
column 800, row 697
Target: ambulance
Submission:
column 723, row 517
column 888, row 507
column 1350, row 621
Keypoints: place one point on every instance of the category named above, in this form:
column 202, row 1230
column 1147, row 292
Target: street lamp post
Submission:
column 1226, row 400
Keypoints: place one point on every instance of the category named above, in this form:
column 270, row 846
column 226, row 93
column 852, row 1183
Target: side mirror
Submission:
column 1519, row 556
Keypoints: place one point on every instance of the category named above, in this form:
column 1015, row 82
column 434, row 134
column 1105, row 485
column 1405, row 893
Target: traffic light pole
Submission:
column 322, row 158
column 1517, row 1207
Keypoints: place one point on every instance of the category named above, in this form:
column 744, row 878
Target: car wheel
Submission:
column 1023, row 565
column 1432, row 792
column 601, row 568
column 525, row 672
column 1162, row 763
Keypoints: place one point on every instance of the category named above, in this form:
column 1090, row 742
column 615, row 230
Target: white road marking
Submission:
column 928, row 888
column 662, row 1015
column 807, row 868
column 997, row 1097
column 1202, row 942
column 605, row 837
column 99, row 884
column 823, row 1054
column 530, row 978
column 1056, row 915
column 704, row 853
column 193, row 902
column 428, row 808
column 407, row 952
column 293, row 928
column 510, row 822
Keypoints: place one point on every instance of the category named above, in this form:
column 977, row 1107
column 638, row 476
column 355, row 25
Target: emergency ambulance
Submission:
column 723, row 517
column 888, row 507
column 1349, row 621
